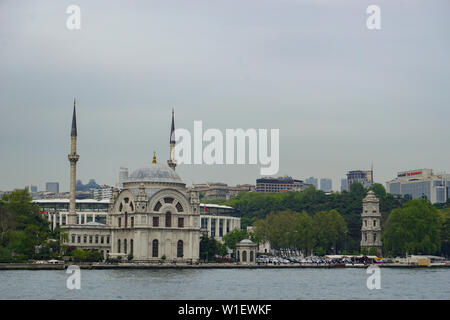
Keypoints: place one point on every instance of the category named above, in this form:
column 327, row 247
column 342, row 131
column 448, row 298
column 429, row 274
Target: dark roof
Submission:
column 172, row 129
column 74, row 122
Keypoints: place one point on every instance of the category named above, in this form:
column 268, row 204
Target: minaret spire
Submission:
column 171, row 162
column 73, row 158
column 172, row 129
column 74, row 120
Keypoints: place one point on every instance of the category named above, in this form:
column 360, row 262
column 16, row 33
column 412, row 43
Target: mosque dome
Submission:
column 154, row 172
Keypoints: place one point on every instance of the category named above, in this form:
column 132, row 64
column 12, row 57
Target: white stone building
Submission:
column 153, row 217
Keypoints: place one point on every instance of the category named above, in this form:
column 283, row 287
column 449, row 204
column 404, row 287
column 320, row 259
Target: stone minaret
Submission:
column 171, row 162
column 73, row 158
column 371, row 223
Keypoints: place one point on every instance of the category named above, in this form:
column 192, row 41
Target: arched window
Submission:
column 168, row 219
column 131, row 246
column 179, row 207
column 125, row 246
column 155, row 248
column 168, row 200
column 238, row 256
column 244, row 256
column 118, row 246
column 158, row 206
column 251, row 256
column 180, row 249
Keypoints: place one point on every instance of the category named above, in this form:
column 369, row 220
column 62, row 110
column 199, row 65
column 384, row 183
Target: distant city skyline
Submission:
column 342, row 96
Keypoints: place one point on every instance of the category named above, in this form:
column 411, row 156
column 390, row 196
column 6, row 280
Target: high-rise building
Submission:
column 421, row 183
column 31, row 188
column 326, row 184
column 313, row 181
column 281, row 184
column 344, row 185
column 360, row 176
column 52, row 187
column 123, row 176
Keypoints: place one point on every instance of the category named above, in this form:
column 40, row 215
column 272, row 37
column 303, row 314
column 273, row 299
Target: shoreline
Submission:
column 103, row 266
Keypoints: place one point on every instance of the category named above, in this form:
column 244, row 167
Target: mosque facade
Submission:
column 153, row 217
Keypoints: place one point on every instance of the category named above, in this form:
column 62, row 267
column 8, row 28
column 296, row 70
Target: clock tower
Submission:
column 371, row 223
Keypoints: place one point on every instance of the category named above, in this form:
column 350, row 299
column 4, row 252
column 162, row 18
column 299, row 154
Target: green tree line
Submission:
column 24, row 234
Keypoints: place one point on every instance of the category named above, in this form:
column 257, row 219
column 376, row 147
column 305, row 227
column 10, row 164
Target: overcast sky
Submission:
column 341, row 95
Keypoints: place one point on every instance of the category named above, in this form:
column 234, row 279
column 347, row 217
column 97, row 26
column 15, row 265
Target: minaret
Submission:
column 73, row 158
column 171, row 162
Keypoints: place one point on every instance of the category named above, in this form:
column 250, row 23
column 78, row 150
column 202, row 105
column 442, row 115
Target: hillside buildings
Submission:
column 421, row 183
column 344, row 185
column 313, row 181
column 220, row 191
column 361, row 176
column 52, row 187
column 326, row 184
column 281, row 184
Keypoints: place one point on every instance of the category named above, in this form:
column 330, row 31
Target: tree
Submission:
column 330, row 229
column 234, row 237
column 415, row 229
column 379, row 190
column 210, row 247
column 22, row 228
column 304, row 232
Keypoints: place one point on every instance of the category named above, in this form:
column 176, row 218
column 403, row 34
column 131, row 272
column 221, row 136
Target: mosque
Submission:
column 152, row 217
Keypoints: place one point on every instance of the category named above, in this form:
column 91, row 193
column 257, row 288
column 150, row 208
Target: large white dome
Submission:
column 154, row 172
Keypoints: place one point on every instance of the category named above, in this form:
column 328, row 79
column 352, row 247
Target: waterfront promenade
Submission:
column 100, row 266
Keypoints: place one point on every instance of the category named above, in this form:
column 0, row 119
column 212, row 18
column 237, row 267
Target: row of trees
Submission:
column 253, row 206
column 324, row 232
column 312, row 220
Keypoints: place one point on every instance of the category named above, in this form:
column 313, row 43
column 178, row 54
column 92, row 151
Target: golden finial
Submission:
column 154, row 157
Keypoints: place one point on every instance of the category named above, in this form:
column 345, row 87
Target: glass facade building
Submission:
column 421, row 183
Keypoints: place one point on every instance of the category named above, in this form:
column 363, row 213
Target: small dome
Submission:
column 246, row 241
column 154, row 172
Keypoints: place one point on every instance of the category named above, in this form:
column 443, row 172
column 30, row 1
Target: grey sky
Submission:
column 341, row 95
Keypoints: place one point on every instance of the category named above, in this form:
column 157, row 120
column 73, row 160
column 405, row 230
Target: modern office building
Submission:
column 344, row 185
column 281, row 184
column 326, row 184
column 87, row 210
column 31, row 188
column 361, row 176
column 421, row 183
column 52, row 187
column 313, row 181
column 217, row 220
